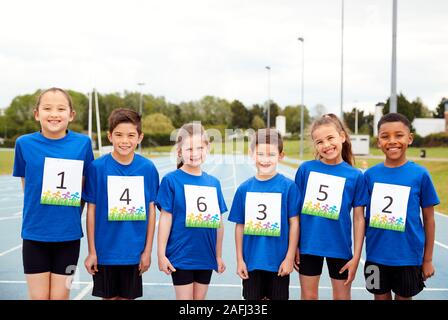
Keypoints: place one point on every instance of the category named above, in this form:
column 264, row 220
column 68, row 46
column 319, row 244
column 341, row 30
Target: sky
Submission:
column 184, row 50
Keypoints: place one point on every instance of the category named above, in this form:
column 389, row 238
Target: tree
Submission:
column 292, row 115
column 365, row 122
column 440, row 110
column 157, row 123
column 406, row 108
column 214, row 111
column 257, row 123
column 240, row 115
column 274, row 111
column 256, row 110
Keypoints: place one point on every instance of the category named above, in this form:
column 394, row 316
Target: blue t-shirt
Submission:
column 266, row 252
column 119, row 242
column 42, row 222
column 395, row 248
column 327, row 237
column 188, row 248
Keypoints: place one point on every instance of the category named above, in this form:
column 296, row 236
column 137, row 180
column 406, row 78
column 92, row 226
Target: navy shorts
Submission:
column 113, row 281
column 265, row 284
column 182, row 277
column 311, row 265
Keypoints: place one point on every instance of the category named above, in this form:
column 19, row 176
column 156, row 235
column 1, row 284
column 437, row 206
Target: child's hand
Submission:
column 241, row 270
column 165, row 265
column 286, row 267
column 351, row 266
column 91, row 264
column 297, row 260
column 145, row 262
column 428, row 270
column 221, row 265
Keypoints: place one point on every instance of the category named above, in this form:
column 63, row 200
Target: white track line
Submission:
column 441, row 214
column 10, row 250
column 10, row 218
column 441, row 244
column 84, row 291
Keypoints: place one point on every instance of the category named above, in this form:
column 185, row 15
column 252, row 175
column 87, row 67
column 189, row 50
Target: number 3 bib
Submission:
column 388, row 207
column 323, row 197
column 126, row 198
column 61, row 183
column 263, row 214
column 202, row 208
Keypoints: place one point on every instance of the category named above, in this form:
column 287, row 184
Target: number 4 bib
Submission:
column 202, row 208
column 61, row 183
column 126, row 198
column 263, row 214
column 388, row 207
column 323, row 197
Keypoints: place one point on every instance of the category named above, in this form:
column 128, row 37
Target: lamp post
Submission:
column 140, row 111
column 341, row 112
column 302, row 106
column 393, row 93
column 269, row 97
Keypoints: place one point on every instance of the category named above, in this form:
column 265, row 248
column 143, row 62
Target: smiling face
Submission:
column 266, row 157
column 54, row 114
column 393, row 139
column 124, row 139
column 328, row 143
column 193, row 150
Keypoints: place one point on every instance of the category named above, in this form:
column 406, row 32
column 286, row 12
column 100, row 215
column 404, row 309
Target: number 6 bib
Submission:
column 262, row 214
column 388, row 207
column 323, row 195
column 126, row 198
column 202, row 208
column 61, row 183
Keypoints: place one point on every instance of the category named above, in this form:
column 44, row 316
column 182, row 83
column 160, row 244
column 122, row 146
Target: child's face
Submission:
column 266, row 157
column 328, row 143
column 125, row 139
column 393, row 139
column 54, row 114
column 193, row 150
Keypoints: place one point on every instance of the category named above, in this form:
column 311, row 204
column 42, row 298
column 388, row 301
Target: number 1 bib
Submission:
column 62, row 181
column 263, row 214
column 388, row 207
column 202, row 208
column 126, row 198
column 323, row 197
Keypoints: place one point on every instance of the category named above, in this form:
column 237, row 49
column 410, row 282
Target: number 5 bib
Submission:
column 263, row 214
column 202, row 208
column 126, row 198
column 62, row 180
column 389, row 206
column 323, row 197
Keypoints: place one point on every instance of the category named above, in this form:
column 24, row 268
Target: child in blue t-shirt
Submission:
column 399, row 247
column 332, row 188
column 265, row 209
column 51, row 163
column 190, row 227
column 121, row 188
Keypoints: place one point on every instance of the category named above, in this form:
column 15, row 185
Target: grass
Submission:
column 262, row 232
column 202, row 224
column 61, row 202
column 387, row 226
column 126, row 217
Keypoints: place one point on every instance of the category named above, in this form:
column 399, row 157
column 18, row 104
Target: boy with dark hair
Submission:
column 399, row 247
column 121, row 188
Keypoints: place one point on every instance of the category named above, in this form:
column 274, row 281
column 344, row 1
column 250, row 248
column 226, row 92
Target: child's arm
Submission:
column 359, row 224
column 23, row 183
column 145, row 259
column 91, row 262
column 83, row 202
column 165, row 222
column 220, row 237
column 241, row 268
column 430, row 229
column 287, row 265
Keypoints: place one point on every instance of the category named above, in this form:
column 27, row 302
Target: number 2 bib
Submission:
column 388, row 207
column 323, row 197
column 263, row 214
column 202, row 208
column 126, row 198
column 61, row 183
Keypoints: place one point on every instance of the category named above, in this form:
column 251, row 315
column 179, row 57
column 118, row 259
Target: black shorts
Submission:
column 265, row 284
column 117, row 281
column 55, row 257
column 183, row 277
column 311, row 265
column 406, row 281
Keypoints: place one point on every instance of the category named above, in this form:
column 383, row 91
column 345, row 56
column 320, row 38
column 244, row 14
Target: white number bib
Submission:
column 126, row 198
column 263, row 214
column 62, row 181
column 202, row 208
column 323, row 197
column 388, row 207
